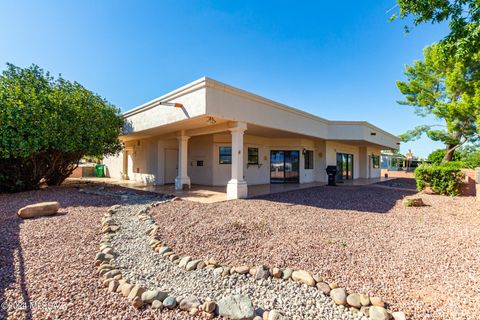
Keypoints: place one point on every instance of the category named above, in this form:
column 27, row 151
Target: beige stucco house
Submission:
column 210, row 133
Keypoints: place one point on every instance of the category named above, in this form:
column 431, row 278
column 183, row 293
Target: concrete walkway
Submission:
column 212, row 194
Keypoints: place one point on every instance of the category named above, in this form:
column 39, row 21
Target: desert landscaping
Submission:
column 422, row 261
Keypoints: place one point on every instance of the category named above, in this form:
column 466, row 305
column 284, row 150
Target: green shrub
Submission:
column 47, row 125
column 445, row 178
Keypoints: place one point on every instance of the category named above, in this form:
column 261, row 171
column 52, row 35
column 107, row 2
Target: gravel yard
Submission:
column 48, row 262
column 141, row 265
column 423, row 261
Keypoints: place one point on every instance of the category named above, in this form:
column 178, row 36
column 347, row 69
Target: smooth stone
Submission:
column 39, row 210
column 126, row 288
column 108, row 250
column 111, row 274
column 277, row 273
column 226, row 271
column 201, row 265
column 183, row 262
column 333, row 285
column 276, row 315
column 112, row 286
column 287, row 273
column 137, row 302
column 136, row 291
column 218, row 271
column 103, row 256
column 209, row 306
column 378, row 313
column 236, row 307
column 169, row 302
column 324, row 287
column 376, row 301
column 157, row 304
column 339, row 296
column 303, row 276
column 151, row 295
column 192, row 265
column 353, row 300
column 189, row 303
column 242, row 269
column 364, row 300
column 365, row 310
column 164, row 250
column 317, row 278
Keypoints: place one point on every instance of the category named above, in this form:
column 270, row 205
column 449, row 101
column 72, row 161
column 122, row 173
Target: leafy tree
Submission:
column 449, row 89
column 463, row 17
column 437, row 156
column 47, row 125
column 469, row 156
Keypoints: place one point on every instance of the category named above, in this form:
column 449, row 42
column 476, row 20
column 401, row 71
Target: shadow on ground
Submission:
column 12, row 271
column 367, row 198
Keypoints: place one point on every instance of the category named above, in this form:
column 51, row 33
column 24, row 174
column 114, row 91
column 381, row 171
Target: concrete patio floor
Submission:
column 212, row 194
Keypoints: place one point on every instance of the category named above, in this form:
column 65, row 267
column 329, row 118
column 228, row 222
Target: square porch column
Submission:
column 237, row 186
column 182, row 178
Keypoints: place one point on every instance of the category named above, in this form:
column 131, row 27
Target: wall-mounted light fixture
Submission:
column 171, row 104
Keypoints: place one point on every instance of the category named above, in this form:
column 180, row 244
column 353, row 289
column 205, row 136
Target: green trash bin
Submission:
column 100, row 170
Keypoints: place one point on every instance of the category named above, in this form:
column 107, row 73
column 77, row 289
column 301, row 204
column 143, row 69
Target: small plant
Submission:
column 413, row 202
column 445, row 178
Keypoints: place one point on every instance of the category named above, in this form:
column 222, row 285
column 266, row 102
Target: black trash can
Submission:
column 332, row 174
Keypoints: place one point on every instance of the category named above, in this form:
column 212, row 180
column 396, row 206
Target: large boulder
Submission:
column 236, row 307
column 39, row 210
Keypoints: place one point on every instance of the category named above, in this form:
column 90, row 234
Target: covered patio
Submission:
column 213, row 194
column 215, row 140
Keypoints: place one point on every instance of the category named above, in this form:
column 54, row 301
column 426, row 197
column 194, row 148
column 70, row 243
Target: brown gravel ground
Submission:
column 424, row 261
column 50, row 260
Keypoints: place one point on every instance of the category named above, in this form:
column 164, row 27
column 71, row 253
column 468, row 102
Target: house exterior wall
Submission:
column 200, row 151
column 156, row 126
column 148, row 159
column 114, row 165
column 335, row 147
column 152, row 115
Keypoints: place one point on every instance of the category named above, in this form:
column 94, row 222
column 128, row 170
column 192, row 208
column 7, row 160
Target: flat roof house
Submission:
column 210, row 133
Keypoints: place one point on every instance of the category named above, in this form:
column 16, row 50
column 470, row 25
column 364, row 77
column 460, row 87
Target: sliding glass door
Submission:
column 284, row 166
column 344, row 166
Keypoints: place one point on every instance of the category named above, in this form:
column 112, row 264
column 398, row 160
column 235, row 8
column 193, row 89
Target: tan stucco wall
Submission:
column 148, row 158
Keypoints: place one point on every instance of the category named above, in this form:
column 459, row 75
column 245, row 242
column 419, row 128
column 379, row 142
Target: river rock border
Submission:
column 360, row 304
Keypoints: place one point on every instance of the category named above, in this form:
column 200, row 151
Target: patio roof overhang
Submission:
column 207, row 98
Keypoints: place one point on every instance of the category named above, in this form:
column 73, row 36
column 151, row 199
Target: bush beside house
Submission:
column 47, row 125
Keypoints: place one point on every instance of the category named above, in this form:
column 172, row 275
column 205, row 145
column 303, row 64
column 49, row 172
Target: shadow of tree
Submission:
column 343, row 197
column 10, row 272
column 12, row 264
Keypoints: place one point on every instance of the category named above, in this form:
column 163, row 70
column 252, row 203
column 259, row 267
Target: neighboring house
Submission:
column 210, row 133
column 392, row 162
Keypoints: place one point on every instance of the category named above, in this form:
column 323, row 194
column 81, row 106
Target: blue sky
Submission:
column 338, row 59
